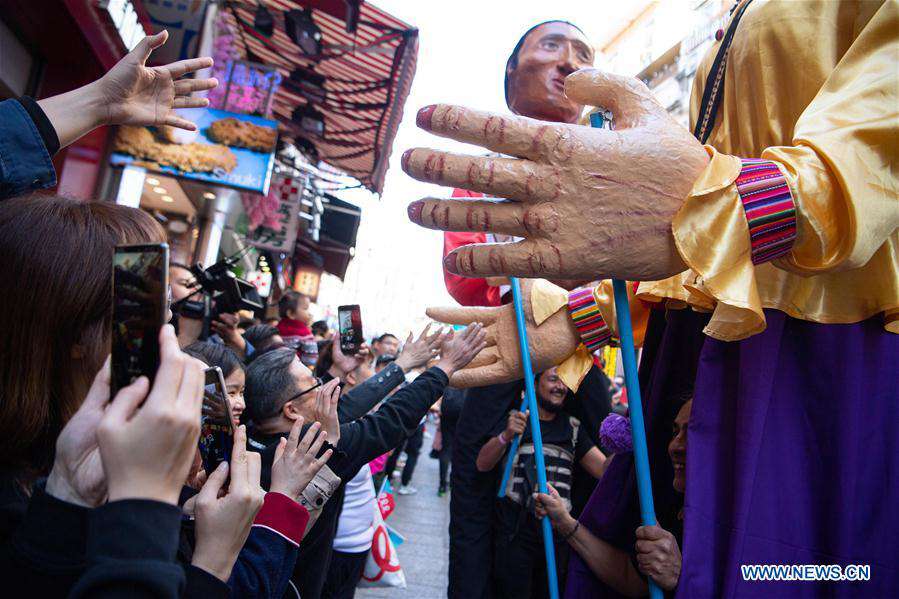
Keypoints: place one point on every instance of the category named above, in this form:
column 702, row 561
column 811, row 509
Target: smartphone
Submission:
column 139, row 309
column 216, row 424
column 349, row 319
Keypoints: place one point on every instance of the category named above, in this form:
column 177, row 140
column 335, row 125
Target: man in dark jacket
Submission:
column 279, row 391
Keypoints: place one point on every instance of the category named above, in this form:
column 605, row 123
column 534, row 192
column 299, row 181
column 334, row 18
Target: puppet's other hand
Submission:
column 500, row 362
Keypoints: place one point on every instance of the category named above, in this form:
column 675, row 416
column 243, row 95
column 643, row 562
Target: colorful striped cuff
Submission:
column 587, row 319
column 769, row 208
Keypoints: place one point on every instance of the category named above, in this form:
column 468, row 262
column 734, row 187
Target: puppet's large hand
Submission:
column 590, row 203
column 500, row 362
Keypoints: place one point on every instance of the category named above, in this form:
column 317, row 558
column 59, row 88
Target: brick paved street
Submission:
column 423, row 519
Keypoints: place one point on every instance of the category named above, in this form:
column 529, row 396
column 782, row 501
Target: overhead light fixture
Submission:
column 264, row 22
column 307, row 148
column 152, row 181
column 167, row 199
column 309, row 84
column 159, row 189
column 302, row 30
column 209, row 195
column 352, row 15
column 309, row 120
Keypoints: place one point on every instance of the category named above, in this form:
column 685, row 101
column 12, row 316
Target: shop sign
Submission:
column 228, row 149
column 261, row 280
column 271, row 221
column 307, row 280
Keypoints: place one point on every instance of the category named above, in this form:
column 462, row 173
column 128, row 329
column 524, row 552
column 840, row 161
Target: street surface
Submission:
column 423, row 519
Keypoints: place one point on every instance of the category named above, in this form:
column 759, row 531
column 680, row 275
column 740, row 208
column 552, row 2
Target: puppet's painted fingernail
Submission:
column 404, row 161
column 414, row 210
column 449, row 263
column 423, row 118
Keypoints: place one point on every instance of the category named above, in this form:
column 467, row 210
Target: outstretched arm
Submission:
column 375, row 434
column 608, row 563
column 130, row 94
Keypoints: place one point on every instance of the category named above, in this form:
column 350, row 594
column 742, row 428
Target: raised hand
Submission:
column 326, row 398
column 295, row 463
column 77, row 475
column 417, row 353
column 148, row 442
column 345, row 363
column 135, row 94
column 500, row 361
column 224, row 518
column 225, row 324
column 460, row 348
column 590, row 203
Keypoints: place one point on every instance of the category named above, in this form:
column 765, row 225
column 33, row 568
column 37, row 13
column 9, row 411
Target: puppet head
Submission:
column 537, row 67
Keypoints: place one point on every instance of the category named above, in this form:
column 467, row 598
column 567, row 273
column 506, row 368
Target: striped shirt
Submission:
column 564, row 441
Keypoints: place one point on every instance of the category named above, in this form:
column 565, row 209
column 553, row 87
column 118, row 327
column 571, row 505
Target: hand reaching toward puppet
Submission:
column 416, row 353
column 499, row 362
column 460, row 348
column 589, row 203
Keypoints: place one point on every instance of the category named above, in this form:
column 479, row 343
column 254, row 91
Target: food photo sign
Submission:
column 230, row 149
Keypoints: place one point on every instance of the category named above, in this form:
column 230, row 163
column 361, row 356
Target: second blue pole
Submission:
column 531, row 403
column 634, row 401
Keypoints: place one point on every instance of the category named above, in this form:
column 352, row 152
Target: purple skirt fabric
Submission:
column 792, row 458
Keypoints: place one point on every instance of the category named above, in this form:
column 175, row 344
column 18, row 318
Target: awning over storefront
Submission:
column 356, row 86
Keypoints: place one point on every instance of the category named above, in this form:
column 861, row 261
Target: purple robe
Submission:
column 792, row 457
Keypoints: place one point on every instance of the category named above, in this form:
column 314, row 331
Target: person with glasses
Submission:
column 280, row 391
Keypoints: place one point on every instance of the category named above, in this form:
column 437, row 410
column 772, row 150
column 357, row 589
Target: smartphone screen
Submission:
column 216, row 425
column 349, row 320
column 139, row 309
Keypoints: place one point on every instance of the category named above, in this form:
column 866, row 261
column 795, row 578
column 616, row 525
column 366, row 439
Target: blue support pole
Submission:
column 635, row 410
column 634, row 402
column 530, row 394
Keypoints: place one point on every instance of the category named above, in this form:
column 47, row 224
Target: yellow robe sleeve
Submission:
column 841, row 172
column 547, row 299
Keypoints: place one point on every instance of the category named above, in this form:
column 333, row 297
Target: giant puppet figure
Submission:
column 534, row 87
column 768, row 241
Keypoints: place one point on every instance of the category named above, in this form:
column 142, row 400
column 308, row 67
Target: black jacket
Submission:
column 51, row 548
column 361, row 441
column 357, row 402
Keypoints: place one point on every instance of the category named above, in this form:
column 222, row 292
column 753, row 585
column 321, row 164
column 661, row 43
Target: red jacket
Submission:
column 467, row 291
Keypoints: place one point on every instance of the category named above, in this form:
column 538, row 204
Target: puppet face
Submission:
column 537, row 84
column 677, row 449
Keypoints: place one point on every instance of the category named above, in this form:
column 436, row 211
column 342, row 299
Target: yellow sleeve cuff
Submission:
column 711, row 234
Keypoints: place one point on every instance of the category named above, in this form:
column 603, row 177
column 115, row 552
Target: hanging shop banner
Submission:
column 271, row 221
column 245, row 87
column 229, row 149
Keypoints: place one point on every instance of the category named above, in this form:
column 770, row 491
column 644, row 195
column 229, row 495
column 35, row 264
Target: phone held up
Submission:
column 349, row 320
column 139, row 309
column 216, row 422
